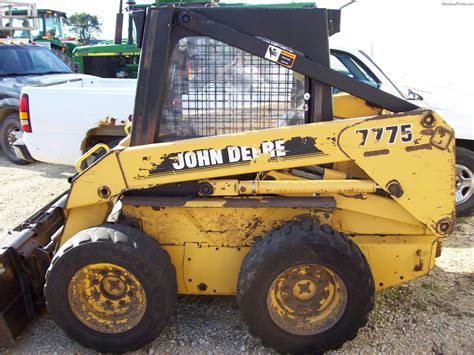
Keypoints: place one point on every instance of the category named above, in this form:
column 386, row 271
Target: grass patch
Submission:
column 427, row 286
column 422, row 306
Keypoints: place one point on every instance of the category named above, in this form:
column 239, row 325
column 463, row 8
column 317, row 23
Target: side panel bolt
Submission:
column 205, row 189
column 394, row 188
column 428, row 121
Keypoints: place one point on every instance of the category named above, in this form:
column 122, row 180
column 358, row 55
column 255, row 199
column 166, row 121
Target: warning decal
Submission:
column 280, row 56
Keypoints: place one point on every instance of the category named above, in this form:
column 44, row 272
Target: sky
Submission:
column 420, row 43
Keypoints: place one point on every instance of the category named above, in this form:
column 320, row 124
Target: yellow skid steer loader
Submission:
column 243, row 175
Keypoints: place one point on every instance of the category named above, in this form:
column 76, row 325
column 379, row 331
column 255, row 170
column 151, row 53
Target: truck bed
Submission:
column 62, row 115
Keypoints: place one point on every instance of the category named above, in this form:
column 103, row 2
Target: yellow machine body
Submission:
column 393, row 195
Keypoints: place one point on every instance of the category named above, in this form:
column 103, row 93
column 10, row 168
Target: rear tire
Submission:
column 10, row 132
column 464, row 181
column 315, row 309
column 111, row 288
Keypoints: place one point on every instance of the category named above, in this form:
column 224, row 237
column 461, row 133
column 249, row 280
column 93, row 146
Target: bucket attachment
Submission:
column 25, row 254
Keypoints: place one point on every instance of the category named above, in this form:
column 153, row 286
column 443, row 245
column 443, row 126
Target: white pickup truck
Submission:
column 91, row 111
column 68, row 119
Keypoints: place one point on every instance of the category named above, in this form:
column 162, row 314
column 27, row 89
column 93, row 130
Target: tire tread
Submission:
column 149, row 250
column 291, row 235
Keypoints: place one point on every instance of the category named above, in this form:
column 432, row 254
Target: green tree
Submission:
column 84, row 26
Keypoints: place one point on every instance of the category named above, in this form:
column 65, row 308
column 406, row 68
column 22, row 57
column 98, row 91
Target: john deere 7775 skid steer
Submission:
column 243, row 175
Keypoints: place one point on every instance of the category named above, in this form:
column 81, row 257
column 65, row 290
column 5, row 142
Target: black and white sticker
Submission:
column 280, row 56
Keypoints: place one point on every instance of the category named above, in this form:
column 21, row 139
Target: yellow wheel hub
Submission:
column 307, row 299
column 106, row 298
column 304, row 289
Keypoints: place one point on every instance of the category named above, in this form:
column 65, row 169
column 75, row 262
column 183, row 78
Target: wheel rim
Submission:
column 307, row 299
column 464, row 183
column 106, row 298
column 13, row 134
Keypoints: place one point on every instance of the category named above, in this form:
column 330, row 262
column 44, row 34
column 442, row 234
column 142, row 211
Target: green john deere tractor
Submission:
column 119, row 58
column 112, row 59
column 50, row 31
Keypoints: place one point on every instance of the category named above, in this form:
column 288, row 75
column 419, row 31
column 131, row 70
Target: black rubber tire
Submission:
column 465, row 157
column 11, row 121
column 63, row 56
column 294, row 244
column 131, row 249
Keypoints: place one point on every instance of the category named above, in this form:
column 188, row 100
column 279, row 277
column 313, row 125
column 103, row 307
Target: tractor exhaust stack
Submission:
column 119, row 25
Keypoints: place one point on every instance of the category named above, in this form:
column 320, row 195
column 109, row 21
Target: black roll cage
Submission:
column 305, row 31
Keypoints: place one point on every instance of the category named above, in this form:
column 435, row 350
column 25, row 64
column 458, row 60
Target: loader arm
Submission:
column 412, row 163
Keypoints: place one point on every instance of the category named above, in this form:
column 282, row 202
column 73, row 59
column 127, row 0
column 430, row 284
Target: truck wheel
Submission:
column 11, row 131
column 63, row 56
column 464, row 181
column 305, row 288
column 111, row 288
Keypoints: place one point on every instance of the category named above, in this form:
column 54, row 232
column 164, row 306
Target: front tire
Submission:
column 305, row 288
column 11, row 132
column 111, row 288
column 464, row 181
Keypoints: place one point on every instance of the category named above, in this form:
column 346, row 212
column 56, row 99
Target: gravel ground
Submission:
column 431, row 314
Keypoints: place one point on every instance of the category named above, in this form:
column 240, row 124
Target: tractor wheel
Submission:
column 111, row 288
column 464, row 181
column 10, row 133
column 305, row 288
column 63, row 56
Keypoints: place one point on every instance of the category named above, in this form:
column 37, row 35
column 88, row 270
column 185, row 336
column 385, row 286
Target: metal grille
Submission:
column 217, row 89
column 17, row 17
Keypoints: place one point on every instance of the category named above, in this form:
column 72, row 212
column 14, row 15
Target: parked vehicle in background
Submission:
column 108, row 59
column 25, row 65
column 46, row 27
column 88, row 111
column 51, row 33
column 90, row 123
column 112, row 59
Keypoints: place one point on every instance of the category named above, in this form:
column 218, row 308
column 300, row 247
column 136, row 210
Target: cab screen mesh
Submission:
column 214, row 88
